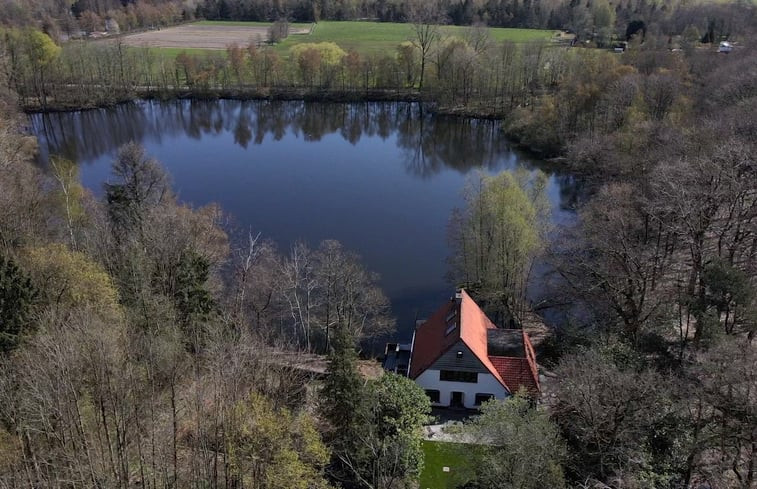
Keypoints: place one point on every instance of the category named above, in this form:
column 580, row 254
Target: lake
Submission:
column 382, row 178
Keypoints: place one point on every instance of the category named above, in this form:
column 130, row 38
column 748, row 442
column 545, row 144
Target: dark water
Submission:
column 381, row 178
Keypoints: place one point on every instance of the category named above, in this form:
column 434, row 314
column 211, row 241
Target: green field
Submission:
column 383, row 37
column 439, row 455
column 173, row 52
column 365, row 37
column 168, row 55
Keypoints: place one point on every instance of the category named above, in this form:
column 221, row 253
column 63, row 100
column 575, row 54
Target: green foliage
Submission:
column 342, row 392
column 377, row 435
column 329, row 53
column 192, row 299
column 17, row 296
column 272, row 448
column 497, row 236
column 35, row 46
column 398, row 405
column 32, row 54
column 40, row 48
column 407, row 59
column 70, row 280
column 538, row 127
column 395, row 410
column 727, row 286
column 522, row 448
column 603, row 15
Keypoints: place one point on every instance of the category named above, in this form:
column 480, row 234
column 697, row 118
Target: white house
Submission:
column 461, row 358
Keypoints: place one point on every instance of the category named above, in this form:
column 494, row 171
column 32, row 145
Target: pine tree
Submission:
column 343, row 388
column 17, row 295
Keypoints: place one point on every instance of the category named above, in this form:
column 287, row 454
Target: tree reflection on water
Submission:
column 429, row 143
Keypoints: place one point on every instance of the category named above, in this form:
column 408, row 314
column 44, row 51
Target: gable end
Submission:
column 467, row 362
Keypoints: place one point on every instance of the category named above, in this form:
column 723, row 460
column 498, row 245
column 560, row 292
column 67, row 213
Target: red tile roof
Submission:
column 431, row 341
column 519, row 372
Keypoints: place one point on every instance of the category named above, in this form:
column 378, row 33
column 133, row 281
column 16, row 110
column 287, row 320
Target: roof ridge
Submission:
column 484, row 321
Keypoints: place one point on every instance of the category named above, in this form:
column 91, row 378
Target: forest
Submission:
column 141, row 339
column 68, row 16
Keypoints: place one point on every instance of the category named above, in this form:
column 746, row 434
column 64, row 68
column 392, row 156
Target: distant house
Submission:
column 460, row 358
column 725, row 47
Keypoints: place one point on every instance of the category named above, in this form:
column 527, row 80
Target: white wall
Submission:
column 486, row 384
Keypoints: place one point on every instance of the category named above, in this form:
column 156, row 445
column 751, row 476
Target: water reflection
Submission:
column 382, row 178
column 429, row 144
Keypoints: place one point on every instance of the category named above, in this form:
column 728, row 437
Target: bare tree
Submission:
column 426, row 19
column 618, row 261
column 478, row 37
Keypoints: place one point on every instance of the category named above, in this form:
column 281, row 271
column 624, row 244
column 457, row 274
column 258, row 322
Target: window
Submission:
column 459, row 354
column 450, row 316
column 451, row 320
column 456, row 376
column 482, row 398
column 433, row 395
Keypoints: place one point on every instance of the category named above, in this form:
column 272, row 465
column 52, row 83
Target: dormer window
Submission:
column 450, row 316
column 451, row 320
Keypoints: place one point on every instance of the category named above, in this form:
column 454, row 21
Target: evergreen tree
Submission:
column 341, row 401
column 343, row 389
column 389, row 451
column 17, row 295
column 193, row 300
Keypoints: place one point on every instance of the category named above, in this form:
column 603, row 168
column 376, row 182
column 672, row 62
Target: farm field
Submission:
column 364, row 37
column 206, row 35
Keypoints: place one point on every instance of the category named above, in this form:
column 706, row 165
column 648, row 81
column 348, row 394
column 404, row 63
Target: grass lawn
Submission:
column 171, row 53
column 383, row 37
column 439, row 455
column 364, row 37
column 168, row 55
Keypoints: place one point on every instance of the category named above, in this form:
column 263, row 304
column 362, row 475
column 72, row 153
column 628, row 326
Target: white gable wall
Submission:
column 486, row 384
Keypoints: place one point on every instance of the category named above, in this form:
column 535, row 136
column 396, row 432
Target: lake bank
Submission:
column 382, row 178
column 484, row 112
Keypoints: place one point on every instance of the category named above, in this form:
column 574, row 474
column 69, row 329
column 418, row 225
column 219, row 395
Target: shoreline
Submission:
column 282, row 94
column 300, row 94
